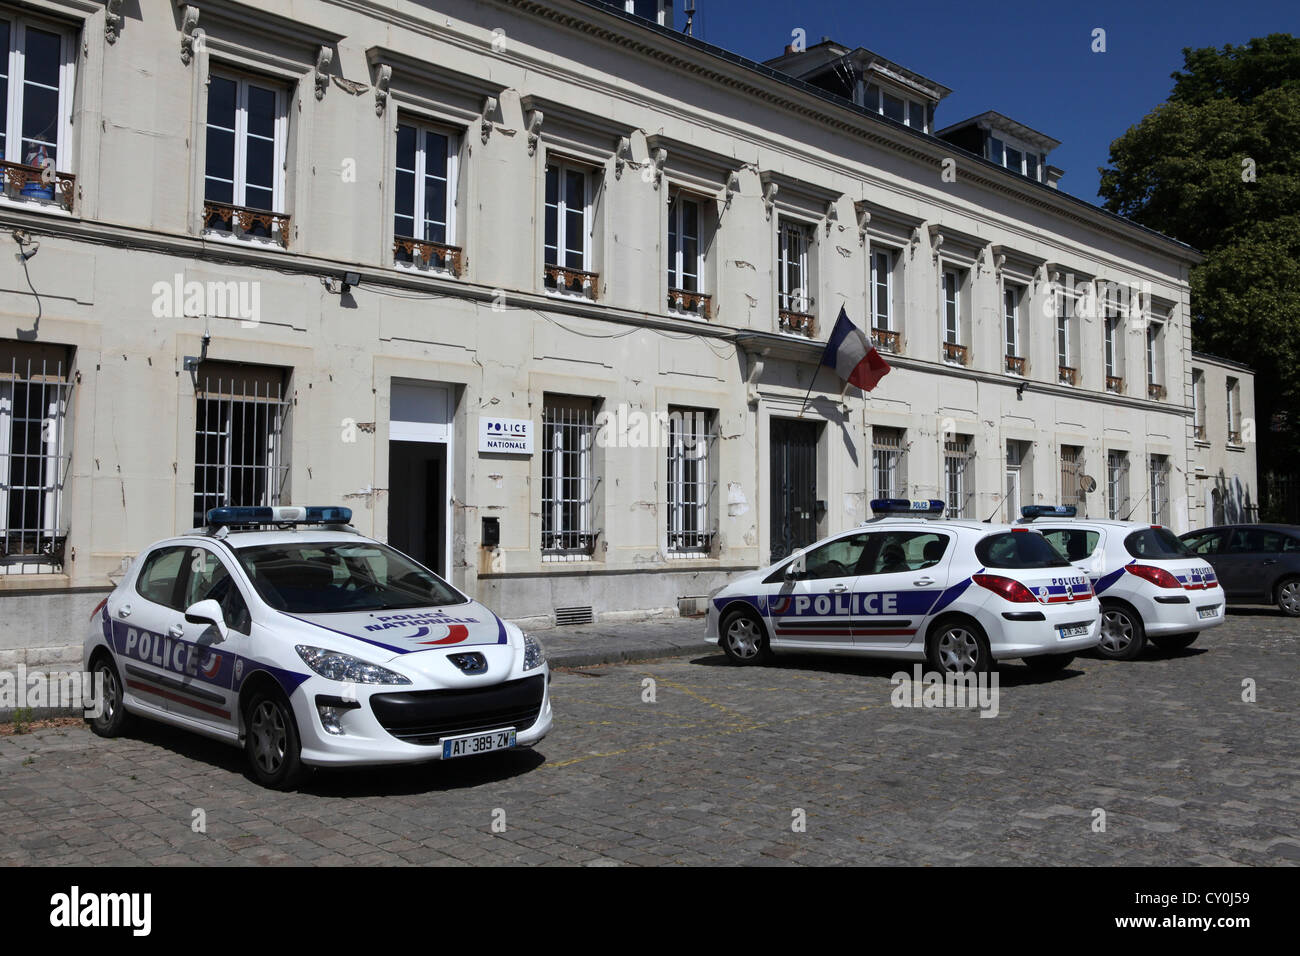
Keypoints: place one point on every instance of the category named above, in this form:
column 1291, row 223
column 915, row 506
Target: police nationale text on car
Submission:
column 912, row 585
column 284, row 631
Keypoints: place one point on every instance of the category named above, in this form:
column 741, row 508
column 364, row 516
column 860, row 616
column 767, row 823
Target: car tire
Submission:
column 1123, row 636
column 743, row 638
column 958, row 646
column 113, row 720
column 1049, row 663
column 1288, row 597
column 271, row 741
column 1174, row 642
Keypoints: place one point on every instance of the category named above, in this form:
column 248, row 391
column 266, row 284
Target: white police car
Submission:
column 309, row 644
column 1150, row 585
column 911, row 585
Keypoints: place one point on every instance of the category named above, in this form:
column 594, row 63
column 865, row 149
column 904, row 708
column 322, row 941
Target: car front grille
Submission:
column 425, row 716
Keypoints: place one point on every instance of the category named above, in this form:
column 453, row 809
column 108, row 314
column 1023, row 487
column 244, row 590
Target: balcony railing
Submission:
column 574, row 281
column 887, row 339
column 424, row 253
column 39, row 183
column 1114, row 383
column 1015, row 364
column 802, row 322
column 254, row 223
column 1068, row 375
column 952, row 352
column 1156, row 392
column 700, row 303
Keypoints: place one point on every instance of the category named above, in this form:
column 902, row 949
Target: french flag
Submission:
column 852, row 355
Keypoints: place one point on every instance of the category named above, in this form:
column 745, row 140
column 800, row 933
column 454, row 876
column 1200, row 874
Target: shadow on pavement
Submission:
column 1010, row 674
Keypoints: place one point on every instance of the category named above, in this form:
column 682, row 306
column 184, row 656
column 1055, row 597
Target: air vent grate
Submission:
column 573, row 615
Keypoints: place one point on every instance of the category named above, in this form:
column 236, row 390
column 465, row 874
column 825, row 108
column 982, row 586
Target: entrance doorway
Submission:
column 419, row 472
column 793, row 487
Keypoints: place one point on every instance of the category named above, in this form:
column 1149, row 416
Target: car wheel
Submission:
column 1174, row 642
column 113, row 720
column 1122, row 634
column 1049, row 663
column 743, row 638
column 271, row 741
column 958, row 647
column 1288, row 597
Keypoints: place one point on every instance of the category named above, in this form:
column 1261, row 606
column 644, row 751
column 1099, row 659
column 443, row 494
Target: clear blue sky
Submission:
column 1029, row 60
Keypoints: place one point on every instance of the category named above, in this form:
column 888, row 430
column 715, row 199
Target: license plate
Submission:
column 472, row 744
column 1208, row 612
column 1072, row 630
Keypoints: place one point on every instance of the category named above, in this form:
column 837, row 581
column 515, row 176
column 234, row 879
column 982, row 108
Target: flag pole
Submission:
column 802, row 408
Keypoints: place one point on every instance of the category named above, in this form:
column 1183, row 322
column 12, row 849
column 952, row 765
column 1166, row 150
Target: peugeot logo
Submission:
column 471, row 663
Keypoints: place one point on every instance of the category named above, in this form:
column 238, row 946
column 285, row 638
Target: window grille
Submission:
column 241, row 447
column 1117, row 485
column 568, row 479
column 887, row 453
column 34, row 457
column 957, row 475
column 1159, row 493
column 1072, row 492
column 690, row 480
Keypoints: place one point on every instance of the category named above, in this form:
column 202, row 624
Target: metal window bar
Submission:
column 1159, row 494
column 34, row 462
column 690, row 480
column 568, row 479
column 887, row 461
column 1117, row 485
column 241, row 457
column 1071, row 477
column 956, row 466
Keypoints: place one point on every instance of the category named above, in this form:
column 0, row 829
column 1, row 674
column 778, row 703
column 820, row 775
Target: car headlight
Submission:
column 534, row 653
column 345, row 667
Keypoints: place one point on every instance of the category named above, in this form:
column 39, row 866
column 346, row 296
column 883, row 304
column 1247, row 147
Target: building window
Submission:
column 1072, row 492
column 1016, row 157
column 34, row 456
column 245, row 158
column 900, row 109
column 1198, row 404
column 690, row 480
column 686, row 256
column 953, row 283
column 568, row 230
column 241, row 446
column 958, row 475
column 1011, row 298
column 424, row 204
column 36, row 88
column 1158, row 491
column 1117, row 485
column 568, row 478
column 1019, row 478
column 794, row 262
column 1155, row 370
column 1234, row 412
column 656, row 11
column 884, row 322
column 888, row 460
column 1068, row 373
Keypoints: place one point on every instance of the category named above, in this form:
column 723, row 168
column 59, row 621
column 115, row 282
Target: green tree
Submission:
column 1218, row 166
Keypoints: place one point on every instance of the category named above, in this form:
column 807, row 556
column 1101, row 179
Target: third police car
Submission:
column 1150, row 585
column 912, row 585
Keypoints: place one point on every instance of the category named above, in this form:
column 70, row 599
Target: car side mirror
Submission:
column 797, row 568
column 207, row 612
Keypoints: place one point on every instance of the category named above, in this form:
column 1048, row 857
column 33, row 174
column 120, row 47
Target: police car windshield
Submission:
column 1156, row 543
column 1018, row 549
column 333, row 577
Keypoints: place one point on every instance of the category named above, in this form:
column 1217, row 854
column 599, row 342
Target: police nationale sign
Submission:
column 509, row 436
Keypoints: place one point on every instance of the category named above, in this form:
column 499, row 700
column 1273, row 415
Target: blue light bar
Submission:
column 1043, row 511
column 286, row 514
column 902, row 506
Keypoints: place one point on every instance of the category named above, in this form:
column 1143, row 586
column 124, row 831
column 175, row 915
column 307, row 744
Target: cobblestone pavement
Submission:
column 716, row 768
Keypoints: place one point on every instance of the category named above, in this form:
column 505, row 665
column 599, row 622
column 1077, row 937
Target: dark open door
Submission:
column 794, row 485
column 417, row 505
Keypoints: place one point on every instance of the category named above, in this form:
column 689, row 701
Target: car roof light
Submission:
column 907, row 506
column 280, row 515
column 1043, row 511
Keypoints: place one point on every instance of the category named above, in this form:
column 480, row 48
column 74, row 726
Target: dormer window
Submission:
column 1016, row 157
column 900, row 109
column 656, row 11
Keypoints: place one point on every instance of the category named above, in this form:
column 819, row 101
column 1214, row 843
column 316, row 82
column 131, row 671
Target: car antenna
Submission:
column 989, row 519
column 1135, row 507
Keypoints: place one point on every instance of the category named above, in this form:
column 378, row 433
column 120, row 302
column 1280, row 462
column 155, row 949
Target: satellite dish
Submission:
column 1087, row 484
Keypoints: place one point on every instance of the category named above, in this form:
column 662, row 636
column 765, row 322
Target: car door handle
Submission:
column 176, row 631
column 923, row 582
column 124, row 611
column 1270, row 560
column 839, row 589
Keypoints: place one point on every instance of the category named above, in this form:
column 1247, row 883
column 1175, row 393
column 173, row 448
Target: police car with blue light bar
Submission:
column 1150, row 585
column 913, row 585
column 285, row 632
